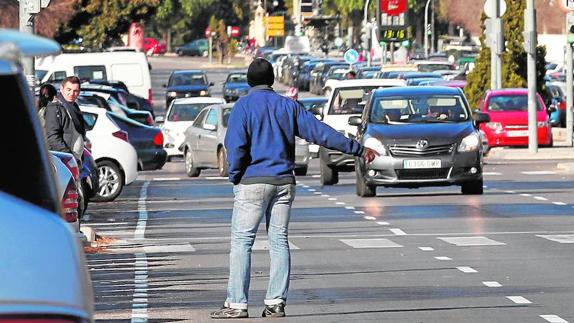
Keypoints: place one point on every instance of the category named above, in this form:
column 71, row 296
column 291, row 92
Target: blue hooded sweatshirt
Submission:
column 260, row 138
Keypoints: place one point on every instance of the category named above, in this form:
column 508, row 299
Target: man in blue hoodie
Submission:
column 260, row 144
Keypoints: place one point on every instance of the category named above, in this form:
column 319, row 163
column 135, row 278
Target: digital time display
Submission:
column 394, row 34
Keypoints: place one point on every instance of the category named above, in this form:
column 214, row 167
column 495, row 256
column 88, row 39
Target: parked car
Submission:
column 319, row 75
column 508, row 111
column 347, row 99
column 119, row 99
column 333, row 77
column 115, row 157
column 235, row 86
column 198, row 47
column 154, row 47
column 147, row 141
column 179, row 116
column 368, row 72
column 132, row 101
column 69, row 187
column 305, row 74
column 426, row 136
column 558, row 101
column 203, row 146
column 186, row 84
column 44, row 274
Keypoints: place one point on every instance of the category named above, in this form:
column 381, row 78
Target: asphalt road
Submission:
column 424, row 255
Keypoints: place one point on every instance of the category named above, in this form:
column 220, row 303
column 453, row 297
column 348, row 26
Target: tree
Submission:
column 47, row 22
column 514, row 73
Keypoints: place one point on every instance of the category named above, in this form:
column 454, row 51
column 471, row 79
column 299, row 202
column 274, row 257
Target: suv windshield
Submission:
column 349, row 100
column 419, row 109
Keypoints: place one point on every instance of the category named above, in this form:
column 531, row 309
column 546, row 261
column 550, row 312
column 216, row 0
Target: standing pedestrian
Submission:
column 46, row 95
column 260, row 145
column 65, row 128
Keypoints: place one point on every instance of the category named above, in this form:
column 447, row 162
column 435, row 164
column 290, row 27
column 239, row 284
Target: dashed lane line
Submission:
column 492, row 284
column 443, row 258
column 426, row 248
column 398, row 232
column 382, row 223
column 553, row 318
column 467, row 270
column 519, row 300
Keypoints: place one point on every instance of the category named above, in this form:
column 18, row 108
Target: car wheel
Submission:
column 329, row 176
column 472, row 188
column 364, row 189
column 189, row 169
column 179, row 53
column 301, row 171
column 222, row 163
column 111, row 181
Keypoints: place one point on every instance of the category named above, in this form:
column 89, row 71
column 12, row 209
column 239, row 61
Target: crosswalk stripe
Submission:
column 370, row 243
column 561, row 238
column 553, row 318
column 519, row 299
column 471, row 241
column 262, row 244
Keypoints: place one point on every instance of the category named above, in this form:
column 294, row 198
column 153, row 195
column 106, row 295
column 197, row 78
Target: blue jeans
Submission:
column 252, row 202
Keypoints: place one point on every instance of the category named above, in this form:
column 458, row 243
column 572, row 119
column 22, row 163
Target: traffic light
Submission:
column 366, row 36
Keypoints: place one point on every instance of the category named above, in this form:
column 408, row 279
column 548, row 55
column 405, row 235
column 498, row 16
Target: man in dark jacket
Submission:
column 65, row 128
column 260, row 145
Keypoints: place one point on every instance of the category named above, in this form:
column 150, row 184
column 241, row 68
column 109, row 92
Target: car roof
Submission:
column 198, row 100
column 417, row 90
column 369, row 82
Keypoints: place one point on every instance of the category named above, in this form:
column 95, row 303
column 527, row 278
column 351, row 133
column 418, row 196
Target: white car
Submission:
column 115, row 157
column 179, row 117
column 347, row 100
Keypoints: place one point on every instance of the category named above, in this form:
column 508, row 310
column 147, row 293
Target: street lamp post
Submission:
column 365, row 20
column 426, row 42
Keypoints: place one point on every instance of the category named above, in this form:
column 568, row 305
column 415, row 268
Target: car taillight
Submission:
column 70, row 203
column 72, row 166
column 121, row 134
column 150, row 96
column 89, row 145
column 149, row 120
column 158, row 139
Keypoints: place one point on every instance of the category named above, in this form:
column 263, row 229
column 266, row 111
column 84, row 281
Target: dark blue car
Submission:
column 186, row 84
column 235, row 86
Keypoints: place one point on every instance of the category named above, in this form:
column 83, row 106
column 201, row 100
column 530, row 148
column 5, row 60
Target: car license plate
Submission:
column 518, row 133
column 422, row 163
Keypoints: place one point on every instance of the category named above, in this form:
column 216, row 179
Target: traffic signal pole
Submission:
column 569, row 82
column 26, row 21
column 530, row 44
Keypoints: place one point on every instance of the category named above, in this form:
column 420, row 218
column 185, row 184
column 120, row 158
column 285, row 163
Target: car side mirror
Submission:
column 355, row 121
column 211, row 84
column 210, row 127
column 159, row 119
column 481, row 117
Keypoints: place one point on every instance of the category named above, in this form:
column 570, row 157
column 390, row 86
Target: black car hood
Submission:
column 435, row 133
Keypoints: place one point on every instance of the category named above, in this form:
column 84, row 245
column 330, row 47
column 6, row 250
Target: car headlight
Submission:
column 203, row 93
column 542, row 124
column 172, row 94
column 469, row 143
column 231, row 91
column 376, row 145
column 496, row 126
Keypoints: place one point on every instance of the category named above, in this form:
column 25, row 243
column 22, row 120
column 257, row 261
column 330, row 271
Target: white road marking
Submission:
column 140, row 294
column 383, row 223
column 215, row 177
column 311, row 190
column 471, row 241
column 510, row 192
column 398, row 232
column 325, row 195
column 305, row 186
column 261, row 245
column 491, row 174
column 559, row 203
column 426, row 248
column 340, row 203
column 349, row 207
column 540, row 198
column 370, row 243
column 369, row 218
column 553, row 318
column 467, row 270
column 359, row 212
column 526, row 195
column 492, row 284
column 561, row 238
column 169, row 248
column 315, row 176
column 142, row 219
column 317, row 193
column 443, row 258
column 543, row 172
column 519, row 299
column 332, row 199
column 166, row 179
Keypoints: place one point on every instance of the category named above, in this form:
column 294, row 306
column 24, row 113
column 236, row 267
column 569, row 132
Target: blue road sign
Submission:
column 351, row 56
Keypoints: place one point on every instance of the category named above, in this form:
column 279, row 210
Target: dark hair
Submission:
column 46, row 95
column 71, row 79
column 353, row 73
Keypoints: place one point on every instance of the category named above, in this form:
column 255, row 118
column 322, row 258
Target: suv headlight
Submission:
column 376, row 145
column 172, row 94
column 469, row 143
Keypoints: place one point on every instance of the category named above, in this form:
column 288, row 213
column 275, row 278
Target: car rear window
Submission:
column 226, row 114
column 419, row 109
column 185, row 111
column 517, row 102
column 348, row 100
column 188, row 79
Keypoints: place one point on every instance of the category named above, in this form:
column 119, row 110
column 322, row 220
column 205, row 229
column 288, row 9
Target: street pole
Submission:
column 365, row 20
column 26, row 21
column 496, row 64
column 426, row 42
column 569, row 85
column 432, row 29
column 210, row 48
column 530, row 42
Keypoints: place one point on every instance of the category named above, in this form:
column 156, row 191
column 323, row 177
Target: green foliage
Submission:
column 514, row 59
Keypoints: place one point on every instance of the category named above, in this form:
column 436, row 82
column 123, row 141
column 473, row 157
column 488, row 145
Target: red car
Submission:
column 508, row 111
column 153, row 47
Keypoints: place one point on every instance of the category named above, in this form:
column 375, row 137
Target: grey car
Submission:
column 203, row 146
column 426, row 136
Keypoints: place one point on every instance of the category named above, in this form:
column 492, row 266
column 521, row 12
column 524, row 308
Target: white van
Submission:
column 129, row 67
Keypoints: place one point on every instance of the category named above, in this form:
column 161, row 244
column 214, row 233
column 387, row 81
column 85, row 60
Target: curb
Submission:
column 566, row 167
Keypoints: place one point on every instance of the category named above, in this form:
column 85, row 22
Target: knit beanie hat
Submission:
column 260, row 72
